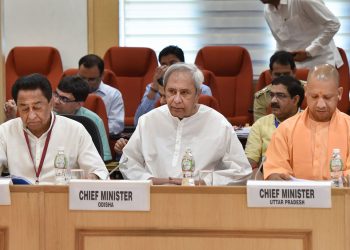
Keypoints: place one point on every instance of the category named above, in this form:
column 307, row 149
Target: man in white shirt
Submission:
column 304, row 28
column 91, row 69
column 158, row 144
column 167, row 57
column 28, row 144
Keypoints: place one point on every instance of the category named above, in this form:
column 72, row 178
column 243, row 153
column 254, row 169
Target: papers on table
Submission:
column 242, row 132
column 5, row 198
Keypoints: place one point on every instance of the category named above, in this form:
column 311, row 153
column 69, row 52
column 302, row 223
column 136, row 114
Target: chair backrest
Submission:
column 91, row 128
column 95, row 103
column 344, row 81
column 265, row 77
column 207, row 100
column 134, row 68
column 108, row 76
column 233, row 72
column 23, row 61
column 209, row 80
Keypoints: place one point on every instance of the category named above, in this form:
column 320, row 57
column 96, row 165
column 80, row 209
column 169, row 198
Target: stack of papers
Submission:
column 243, row 132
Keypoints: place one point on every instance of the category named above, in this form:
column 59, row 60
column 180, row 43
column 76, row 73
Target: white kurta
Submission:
column 159, row 142
column 71, row 135
column 305, row 25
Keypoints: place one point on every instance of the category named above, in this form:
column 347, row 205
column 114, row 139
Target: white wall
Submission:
column 58, row 23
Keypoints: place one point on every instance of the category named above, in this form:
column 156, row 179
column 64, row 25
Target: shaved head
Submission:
column 324, row 72
column 323, row 92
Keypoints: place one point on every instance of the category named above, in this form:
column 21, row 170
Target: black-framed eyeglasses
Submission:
column 278, row 95
column 61, row 98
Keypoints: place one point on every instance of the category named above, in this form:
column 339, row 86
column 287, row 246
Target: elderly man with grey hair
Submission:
column 162, row 136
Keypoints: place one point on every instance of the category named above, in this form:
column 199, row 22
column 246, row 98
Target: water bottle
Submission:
column 187, row 165
column 60, row 164
column 336, row 168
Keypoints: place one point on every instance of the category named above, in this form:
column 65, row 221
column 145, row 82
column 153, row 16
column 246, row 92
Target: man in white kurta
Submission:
column 305, row 28
column 162, row 136
column 22, row 157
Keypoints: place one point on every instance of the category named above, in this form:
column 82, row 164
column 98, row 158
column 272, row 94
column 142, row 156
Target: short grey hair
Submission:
column 324, row 72
column 196, row 73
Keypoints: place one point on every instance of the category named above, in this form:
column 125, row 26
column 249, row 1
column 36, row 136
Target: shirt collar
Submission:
column 177, row 120
column 45, row 133
column 102, row 88
column 273, row 8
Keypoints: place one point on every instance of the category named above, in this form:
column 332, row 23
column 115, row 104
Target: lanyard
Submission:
column 276, row 122
column 37, row 172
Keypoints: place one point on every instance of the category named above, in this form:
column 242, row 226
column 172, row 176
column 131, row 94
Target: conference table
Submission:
column 193, row 218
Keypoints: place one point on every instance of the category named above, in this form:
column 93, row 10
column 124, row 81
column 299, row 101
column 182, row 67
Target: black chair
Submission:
column 91, row 128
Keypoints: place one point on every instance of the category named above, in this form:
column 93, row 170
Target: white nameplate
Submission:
column 5, row 197
column 109, row 195
column 314, row 194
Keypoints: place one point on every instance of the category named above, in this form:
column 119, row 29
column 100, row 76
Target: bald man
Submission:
column 302, row 145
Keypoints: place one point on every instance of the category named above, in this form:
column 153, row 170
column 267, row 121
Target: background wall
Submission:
column 61, row 24
column 2, row 66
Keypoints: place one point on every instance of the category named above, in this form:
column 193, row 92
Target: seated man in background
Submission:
column 91, row 69
column 281, row 63
column 69, row 98
column 302, row 145
column 168, row 56
column 287, row 95
column 28, row 144
column 121, row 142
column 156, row 148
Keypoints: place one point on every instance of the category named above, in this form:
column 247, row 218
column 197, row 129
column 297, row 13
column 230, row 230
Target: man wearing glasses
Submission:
column 91, row 68
column 287, row 95
column 69, row 98
column 281, row 63
column 29, row 143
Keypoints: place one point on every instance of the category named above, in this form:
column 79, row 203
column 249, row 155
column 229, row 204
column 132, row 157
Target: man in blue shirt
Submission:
column 68, row 99
column 91, row 68
column 168, row 56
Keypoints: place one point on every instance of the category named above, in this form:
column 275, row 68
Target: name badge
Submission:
column 308, row 194
column 119, row 195
column 5, row 197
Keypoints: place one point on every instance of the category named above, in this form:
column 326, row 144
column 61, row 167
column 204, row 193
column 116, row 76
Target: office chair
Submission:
column 91, row 128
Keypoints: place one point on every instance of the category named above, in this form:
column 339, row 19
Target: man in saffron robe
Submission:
column 302, row 145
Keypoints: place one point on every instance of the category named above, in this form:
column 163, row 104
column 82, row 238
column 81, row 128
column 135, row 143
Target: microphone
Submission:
column 125, row 160
column 263, row 159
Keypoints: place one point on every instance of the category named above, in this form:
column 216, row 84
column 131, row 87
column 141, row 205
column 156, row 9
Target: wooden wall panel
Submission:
column 193, row 239
column 2, row 64
column 202, row 218
column 103, row 25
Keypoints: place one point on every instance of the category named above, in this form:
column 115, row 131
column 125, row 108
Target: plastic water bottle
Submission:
column 336, row 168
column 60, row 164
column 188, row 166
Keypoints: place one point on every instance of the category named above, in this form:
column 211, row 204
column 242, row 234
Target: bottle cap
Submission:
column 336, row 150
column 60, row 148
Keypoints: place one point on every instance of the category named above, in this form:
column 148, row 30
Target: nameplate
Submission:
column 119, row 195
column 308, row 194
column 5, row 197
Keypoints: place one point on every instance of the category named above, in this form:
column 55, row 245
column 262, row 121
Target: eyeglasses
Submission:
column 279, row 96
column 61, row 98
